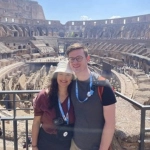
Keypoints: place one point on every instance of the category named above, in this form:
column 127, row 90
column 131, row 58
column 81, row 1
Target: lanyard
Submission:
column 90, row 93
column 66, row 118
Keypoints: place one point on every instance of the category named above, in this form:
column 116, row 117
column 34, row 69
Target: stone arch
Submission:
column 99, row 32
column 5, row 28
column 24, row 46
column 31, row 31
column 61, row 33
column 3, row 32
column 55, row 31
column 94, row 32
column 34, row 31
column 39, row 30
column 50, row 31
column 20, row 32
column 88, row 32
column 26, row 31
column 44, row 31
column 19, row 47
column 10, row 27
column 11, row 30
column 16, row 34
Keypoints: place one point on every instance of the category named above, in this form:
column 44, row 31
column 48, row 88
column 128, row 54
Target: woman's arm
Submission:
column 35, row 131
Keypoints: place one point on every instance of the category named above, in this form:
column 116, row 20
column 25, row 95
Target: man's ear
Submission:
column 70, row 65
column 88, row 58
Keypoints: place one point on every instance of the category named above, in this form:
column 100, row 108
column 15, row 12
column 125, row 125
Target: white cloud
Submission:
column 113, row 17
column 85, row 18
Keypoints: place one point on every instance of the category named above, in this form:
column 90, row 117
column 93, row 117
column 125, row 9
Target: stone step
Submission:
column 145, row 141
column 11, row 148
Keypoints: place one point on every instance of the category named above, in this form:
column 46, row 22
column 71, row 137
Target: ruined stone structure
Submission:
column 26, row 19
column 30, row 44
column 28, row 34
column 26, row 9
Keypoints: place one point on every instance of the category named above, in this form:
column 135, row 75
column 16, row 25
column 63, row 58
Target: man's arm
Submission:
column 109, row 126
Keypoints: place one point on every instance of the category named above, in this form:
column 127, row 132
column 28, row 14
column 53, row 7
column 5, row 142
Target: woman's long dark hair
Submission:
column 53, row 91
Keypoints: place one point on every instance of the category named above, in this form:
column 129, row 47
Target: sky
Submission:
column 75, row 10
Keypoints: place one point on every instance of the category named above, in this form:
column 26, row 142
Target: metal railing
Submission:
column 15, row 119
column 143, row 109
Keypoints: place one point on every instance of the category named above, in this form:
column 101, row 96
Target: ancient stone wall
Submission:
column 26, row 19
column 21, row 9
column 40, row 28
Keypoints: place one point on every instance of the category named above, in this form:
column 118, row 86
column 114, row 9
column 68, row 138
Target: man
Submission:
column 95, row 117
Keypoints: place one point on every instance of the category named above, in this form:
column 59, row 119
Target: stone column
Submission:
column 146, row 68
column 27, row 105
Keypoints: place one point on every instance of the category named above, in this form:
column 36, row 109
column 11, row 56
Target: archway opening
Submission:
column 15, row 34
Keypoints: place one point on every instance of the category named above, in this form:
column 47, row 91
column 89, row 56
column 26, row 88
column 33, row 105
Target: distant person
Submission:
column 53, row 122
column 7, row 102
column 95, row 116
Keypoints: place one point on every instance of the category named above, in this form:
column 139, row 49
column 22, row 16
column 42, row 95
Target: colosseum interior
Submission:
column 31, row 47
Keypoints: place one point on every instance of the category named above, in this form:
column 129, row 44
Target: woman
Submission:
column 52, row 109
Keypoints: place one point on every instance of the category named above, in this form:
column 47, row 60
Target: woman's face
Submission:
column 64, row 79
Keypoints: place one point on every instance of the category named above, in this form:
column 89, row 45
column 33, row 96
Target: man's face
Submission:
column 78, row 61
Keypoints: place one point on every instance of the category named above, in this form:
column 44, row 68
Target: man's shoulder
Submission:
column 98, row 80
column 95, row 75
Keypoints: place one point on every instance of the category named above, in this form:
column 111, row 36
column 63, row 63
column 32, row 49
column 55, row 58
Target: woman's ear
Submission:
column 88, row 58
